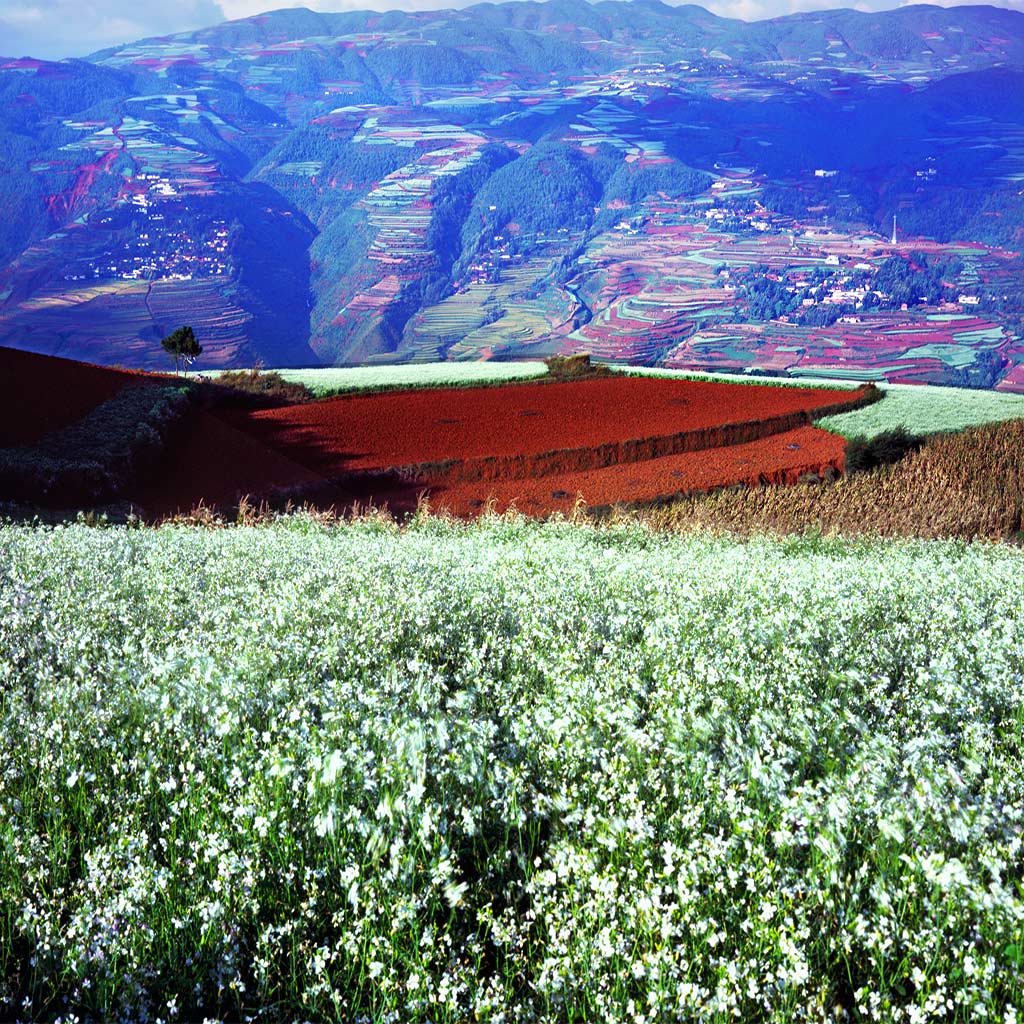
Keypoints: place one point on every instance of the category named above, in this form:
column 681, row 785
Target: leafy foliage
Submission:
column 183, row 346
column 675, row 179
column 260, row 389
column 552, row 187
column 434, row 65
column 767, row 298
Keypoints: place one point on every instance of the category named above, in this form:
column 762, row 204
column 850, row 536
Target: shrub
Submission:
column 259, row 388
column 882, row 450
column 575, row 367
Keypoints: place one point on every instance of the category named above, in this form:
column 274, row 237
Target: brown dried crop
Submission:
column 968, row 485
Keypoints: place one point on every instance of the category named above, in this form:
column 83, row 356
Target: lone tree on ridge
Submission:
column 183, row 346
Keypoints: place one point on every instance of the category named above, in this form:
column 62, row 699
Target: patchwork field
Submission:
column 430, row 430
column 543, row 444
column 62, row 321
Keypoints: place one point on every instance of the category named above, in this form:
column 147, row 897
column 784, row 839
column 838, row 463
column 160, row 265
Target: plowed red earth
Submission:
column 778, row 459
column 536, row 446
column 42, row 394
column 414, row 428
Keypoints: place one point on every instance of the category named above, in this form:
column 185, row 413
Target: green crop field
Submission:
column 330, row 380
column 927, row 410
column 508, row 772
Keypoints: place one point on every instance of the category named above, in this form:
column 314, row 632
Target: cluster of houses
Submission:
column 160, row 255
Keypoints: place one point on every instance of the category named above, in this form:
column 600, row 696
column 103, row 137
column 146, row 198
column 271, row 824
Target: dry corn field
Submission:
column 961, row 485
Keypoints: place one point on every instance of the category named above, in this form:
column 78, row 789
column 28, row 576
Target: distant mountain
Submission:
column 509, row 178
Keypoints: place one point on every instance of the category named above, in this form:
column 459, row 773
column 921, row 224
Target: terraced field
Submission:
column 522, row 310
column 61, row 322
column 539, row 444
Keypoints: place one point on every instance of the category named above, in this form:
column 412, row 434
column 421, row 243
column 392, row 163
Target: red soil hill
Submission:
column 536, row 445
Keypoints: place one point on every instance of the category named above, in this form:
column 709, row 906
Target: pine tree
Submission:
column 183, row 346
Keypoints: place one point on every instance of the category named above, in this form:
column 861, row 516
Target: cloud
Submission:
column 755, row 10
column 1013, row 5
column 74, row 28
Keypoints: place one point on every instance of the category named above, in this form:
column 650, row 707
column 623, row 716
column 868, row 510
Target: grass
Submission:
column 739, row 378
column 507, row 771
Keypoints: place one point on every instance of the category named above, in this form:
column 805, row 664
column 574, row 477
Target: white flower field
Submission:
column 508, row 772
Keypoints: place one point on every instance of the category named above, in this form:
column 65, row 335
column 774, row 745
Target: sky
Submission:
column 70, row 28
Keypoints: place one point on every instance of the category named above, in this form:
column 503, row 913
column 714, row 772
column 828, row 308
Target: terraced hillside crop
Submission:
column 826, row 193
column 919, row 409
column 928, row 410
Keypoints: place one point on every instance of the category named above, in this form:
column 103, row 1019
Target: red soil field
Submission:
column 779, row 459
column 498, row 431
column 536, row 445
column 42, row 394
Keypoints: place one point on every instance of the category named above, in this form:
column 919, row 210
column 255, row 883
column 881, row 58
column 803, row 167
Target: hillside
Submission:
column 654, row 184
column 372, row 767
column 154, row 446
